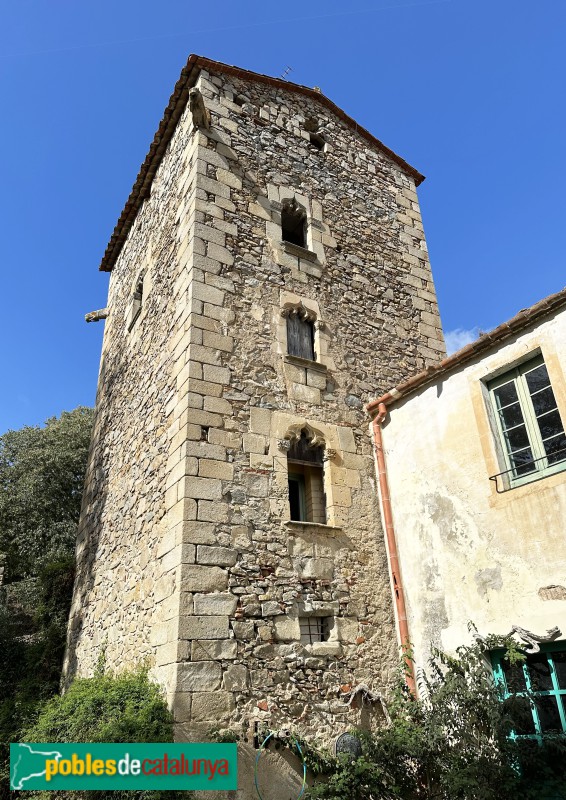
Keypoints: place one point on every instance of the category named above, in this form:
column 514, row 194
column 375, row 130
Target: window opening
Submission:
column 314, row 629
column 307, row 501
column 300, row 336
column 528, row 421
column 137, row 299
column 294, row 223
column 204, row 430
column 540, row 683
column 317, row 141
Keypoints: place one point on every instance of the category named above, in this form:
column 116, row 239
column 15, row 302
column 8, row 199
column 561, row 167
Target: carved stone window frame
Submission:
column 310, row 310
column 309, row 259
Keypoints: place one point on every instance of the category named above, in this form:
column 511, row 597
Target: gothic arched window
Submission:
column 306, row 485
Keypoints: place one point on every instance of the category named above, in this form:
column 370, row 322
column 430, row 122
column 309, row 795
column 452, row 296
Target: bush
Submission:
column 105, row 708
column 454, row 743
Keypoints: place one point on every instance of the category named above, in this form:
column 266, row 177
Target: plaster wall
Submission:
column 468, row 553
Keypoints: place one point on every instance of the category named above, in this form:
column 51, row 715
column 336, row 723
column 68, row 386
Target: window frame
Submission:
column 541, row 467
column 308, row 322
column 557, row 692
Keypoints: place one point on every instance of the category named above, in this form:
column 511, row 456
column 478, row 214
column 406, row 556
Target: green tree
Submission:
column 42, row 473
column 453, row 744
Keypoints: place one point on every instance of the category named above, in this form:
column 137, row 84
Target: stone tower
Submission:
column 269, row 275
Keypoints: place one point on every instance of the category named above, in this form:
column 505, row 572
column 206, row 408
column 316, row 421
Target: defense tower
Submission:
column 269, row 275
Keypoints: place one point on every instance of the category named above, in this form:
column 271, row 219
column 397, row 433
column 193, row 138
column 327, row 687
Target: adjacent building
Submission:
column 475, row 455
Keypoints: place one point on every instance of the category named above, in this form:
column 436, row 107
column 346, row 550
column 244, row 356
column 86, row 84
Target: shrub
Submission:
column 105, row 708
column 454, row 743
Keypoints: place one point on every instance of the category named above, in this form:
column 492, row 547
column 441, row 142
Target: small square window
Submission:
column 314, row 629
column 528, row 422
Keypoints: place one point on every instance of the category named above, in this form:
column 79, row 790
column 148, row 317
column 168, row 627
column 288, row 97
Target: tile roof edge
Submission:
column 524, row 318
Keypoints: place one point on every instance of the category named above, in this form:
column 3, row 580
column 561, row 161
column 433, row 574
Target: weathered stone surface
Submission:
column 215, row 604
column 201, row 676
column 198, row 578
column 216, row 555
column 194, row 399
column 204, row 627
column 235, row 678
column 211, row 706
column 214, row 649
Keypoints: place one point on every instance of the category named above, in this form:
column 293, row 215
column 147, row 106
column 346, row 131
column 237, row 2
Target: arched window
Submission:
column 294, row 223
column 305, row 472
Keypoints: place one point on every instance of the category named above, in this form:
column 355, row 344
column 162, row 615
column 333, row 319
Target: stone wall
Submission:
column 187, row 553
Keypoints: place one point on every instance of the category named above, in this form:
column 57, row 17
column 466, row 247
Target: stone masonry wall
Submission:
column 187, row 552
column 122, row 581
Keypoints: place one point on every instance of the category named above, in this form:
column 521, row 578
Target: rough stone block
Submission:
column 287, row 629
column 205, row 627
column 316, row 379
column 203, row 488
column 198, row 532
column 218, row 341
column 321, row 568
column 221, row 254
column 214, row 649
column 229, row 178
column 209, row 294
column 216, row 469
column 200, row 676
column 346, row 439
column 306, row 394
column 270, row 609
column 215, row 604
column 181, row 706
column 253, row 443
column 235, row 678
column 260, row 420
column 216, row 374
column 198, row 578
column 243, row 630
column 213, row 511
column 223, row 556
column 212, row 706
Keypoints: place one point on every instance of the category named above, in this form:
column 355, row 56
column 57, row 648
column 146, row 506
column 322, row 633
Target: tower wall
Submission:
column 187, row 554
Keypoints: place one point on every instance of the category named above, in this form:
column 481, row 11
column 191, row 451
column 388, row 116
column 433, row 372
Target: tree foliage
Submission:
column 42, row 473
column 455, row 743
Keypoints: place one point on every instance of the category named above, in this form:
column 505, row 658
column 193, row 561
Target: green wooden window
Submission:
column 541, row 681
column 528, row 422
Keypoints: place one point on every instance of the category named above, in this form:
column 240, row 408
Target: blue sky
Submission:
column 470, row 93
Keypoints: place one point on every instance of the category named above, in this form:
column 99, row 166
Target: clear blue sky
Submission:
column 471, row 92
